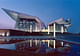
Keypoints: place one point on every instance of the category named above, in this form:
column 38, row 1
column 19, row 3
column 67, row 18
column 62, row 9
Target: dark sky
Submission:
column 46, row 10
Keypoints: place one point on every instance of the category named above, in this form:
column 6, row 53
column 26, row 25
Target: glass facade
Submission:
column 27, row 24
column 57, row 28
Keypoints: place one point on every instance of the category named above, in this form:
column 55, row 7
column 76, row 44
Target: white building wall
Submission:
column 58, row 28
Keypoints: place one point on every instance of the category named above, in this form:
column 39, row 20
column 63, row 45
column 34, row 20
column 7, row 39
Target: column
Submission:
column 7, row 34
column 3, row 34
column 54, row 34
column 62, row 29
column 48, row 30
column 54, row 29
column 62, row 43
column 30, row 28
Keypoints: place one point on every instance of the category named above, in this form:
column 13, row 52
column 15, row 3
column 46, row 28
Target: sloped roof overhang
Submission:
column 16, row 15
column 61, row 21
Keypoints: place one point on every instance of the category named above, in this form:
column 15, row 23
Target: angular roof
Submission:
column 60, row 21
column 16, row 15
column 66, row 23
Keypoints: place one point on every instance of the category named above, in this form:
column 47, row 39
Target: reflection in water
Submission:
column 43, row 46
column 8, row 46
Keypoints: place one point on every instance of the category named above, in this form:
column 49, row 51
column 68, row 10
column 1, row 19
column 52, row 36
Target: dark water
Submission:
column 8, row 46
column 74, row 48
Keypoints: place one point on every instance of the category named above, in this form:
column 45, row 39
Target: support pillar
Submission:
column 30, row 28
column 48, row 30
column 54, row 34
column 7, row 34
column 3, row 34
column 54, row 30
column 62, row 29
column 36, row 29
